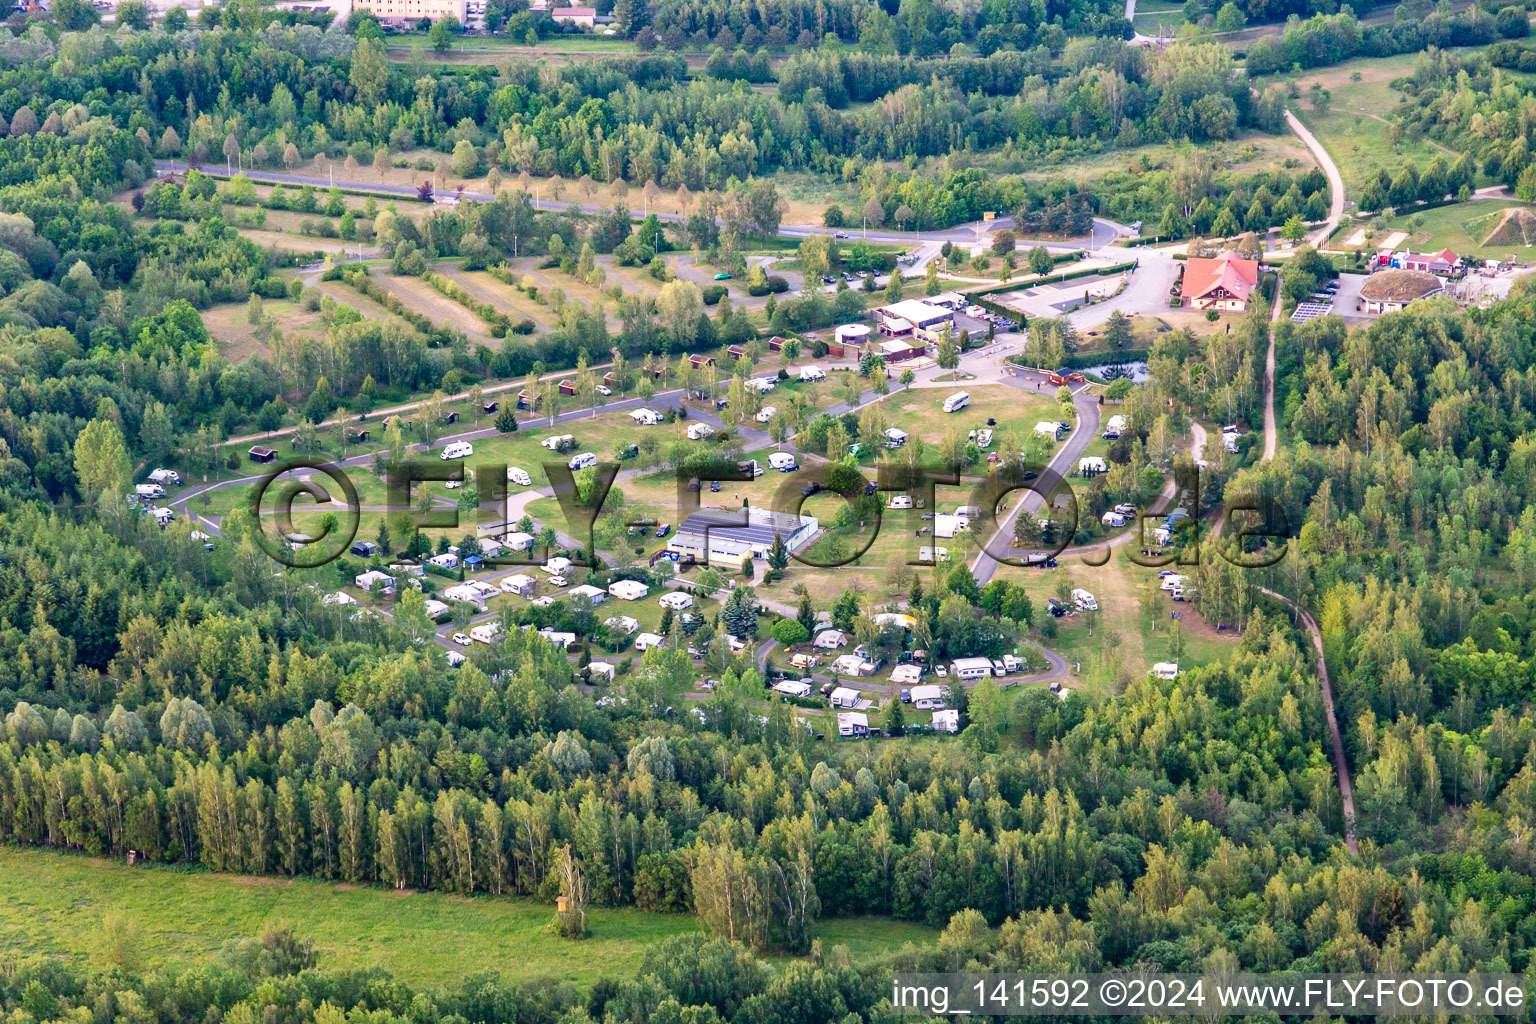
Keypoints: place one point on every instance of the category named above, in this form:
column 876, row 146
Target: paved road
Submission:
column 1335, row 180
column 1000, row 544
column 1104, row 231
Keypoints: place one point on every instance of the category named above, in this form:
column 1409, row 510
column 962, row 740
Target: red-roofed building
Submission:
column 583, row 16
column 1442, row 262
column 1223, row 283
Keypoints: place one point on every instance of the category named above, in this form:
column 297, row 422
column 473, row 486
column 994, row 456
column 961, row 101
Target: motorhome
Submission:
column 147, row 491
column 810, row 373
column 519, row 477
column 165, row 476
column 558, row 441
column 750, row 466
column 458, row 450
column 957, row 401
column 1114, row 519
column 583, row 461
column 1166, row 669
column 1085, row 601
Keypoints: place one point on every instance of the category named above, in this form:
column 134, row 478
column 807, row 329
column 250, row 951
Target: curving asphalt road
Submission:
column 1000, row 544
column 1331, row 171
column 1103, row 233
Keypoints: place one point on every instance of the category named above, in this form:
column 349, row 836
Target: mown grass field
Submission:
column 1354, row 127
column 1460, row 227
column 55, row 904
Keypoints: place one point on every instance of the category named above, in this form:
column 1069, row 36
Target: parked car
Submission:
column 723, row 277
column 663, row 530
column 603, row 389
column 811, row 488
column 462, row 639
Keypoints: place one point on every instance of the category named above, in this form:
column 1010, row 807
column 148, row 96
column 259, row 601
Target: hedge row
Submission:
column 501, row 324
column 1065, row 275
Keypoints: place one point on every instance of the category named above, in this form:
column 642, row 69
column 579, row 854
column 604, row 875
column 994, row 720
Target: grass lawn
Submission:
column 485, row 288
column 1243, row 155
column 1133, row 628
column 433, row 304
column 1460, row 227
column 1354, row 128
column 920, row 411
column 236, row 335
column 55, row 903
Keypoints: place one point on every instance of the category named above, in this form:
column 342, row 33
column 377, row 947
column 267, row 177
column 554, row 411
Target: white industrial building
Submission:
column 731, row 537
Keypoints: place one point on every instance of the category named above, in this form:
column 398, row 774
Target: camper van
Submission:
column 458, row 450
column 809, row 373
column 1085, row 601
column 1114, row 519
column 519, row 477
column 957, row 401
column 784, row 462
column 582, row 461
column 751, row 466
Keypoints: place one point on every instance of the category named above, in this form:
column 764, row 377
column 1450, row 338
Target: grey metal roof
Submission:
column 735, row 526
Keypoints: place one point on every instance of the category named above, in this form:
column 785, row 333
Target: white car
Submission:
column 604, row 389
column 453, row 485
column 462, row 639
column 557, row 581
